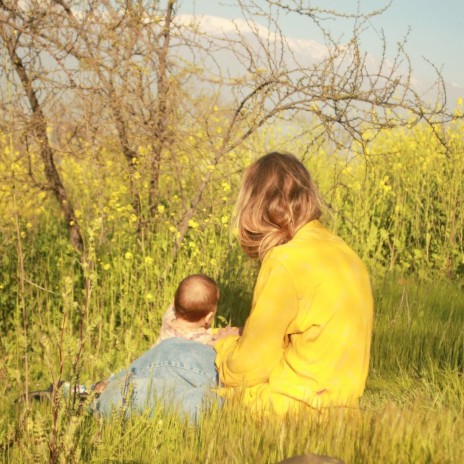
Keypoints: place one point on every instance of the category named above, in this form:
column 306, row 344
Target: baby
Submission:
column 190, row 316
column 193, row 310
column 179, row 370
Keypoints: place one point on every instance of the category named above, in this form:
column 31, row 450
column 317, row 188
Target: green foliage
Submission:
column 398, row 203
column 401, row 205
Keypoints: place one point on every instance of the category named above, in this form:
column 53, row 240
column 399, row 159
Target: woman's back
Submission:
column 307, row 339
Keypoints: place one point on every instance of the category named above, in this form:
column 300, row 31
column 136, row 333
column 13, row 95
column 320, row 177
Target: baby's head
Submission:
column 196, row 299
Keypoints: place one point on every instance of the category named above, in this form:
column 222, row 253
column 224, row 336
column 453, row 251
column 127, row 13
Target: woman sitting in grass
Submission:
column 307, row 339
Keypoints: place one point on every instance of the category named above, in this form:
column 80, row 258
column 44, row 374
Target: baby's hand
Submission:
column 226, row 332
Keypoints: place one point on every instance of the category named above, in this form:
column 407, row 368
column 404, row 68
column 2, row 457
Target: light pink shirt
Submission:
column 168, row 330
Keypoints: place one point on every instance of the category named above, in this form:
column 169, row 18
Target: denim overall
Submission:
column 177, row 374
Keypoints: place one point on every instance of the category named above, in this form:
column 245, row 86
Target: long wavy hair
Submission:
column 277, row 197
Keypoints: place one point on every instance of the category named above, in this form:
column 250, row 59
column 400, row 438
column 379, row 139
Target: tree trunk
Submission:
column 46, row 153
column 162, row 111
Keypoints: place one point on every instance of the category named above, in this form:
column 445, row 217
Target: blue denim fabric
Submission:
column 177, row 373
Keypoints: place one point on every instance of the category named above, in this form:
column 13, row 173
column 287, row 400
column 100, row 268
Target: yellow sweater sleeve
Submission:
column 248, row 360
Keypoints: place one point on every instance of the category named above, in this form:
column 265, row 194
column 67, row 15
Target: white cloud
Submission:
column 227, row 28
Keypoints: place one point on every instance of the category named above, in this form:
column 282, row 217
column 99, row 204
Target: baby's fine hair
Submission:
column 196, row 296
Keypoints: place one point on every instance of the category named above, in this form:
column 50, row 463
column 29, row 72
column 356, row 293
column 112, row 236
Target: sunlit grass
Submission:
column 412, row 411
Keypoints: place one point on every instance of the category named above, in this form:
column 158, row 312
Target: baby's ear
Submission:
column 209, row 317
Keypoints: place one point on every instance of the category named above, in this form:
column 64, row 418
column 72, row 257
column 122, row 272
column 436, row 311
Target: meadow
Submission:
column 399, row 205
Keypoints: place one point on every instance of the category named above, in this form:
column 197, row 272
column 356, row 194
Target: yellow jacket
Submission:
column 307, row 338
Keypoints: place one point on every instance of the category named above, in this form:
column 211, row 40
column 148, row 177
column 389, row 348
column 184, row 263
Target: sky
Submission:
column 436, row 32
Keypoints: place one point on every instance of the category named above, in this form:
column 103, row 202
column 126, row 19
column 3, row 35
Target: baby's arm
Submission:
column 168, row 316
column 227, row 332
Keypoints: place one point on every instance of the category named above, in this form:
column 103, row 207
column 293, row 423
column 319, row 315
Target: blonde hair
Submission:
column 196, row 296
column 276, row 199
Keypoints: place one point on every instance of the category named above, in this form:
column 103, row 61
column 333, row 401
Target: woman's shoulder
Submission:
column 312, row 245
column 311, row 238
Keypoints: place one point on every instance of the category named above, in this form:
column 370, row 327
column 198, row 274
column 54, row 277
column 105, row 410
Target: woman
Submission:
column 308, row 336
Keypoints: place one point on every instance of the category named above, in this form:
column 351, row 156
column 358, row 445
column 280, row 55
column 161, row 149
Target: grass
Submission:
column 412, row 411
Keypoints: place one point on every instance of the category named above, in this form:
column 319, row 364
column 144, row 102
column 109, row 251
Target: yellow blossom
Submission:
column 225, row 187
column 128, row 255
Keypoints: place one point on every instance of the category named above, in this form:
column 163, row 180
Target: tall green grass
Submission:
column 412, row 411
